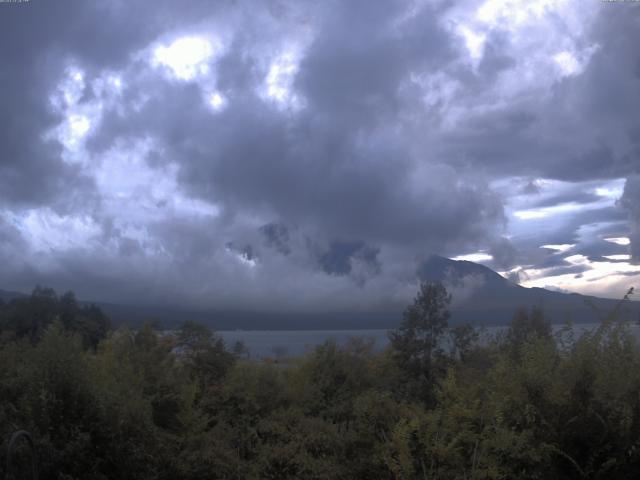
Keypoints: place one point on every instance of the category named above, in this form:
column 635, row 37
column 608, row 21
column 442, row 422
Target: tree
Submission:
column 417, row 344
column 204, row 353
column 463, row 339
column 527, row 327
column 29, row 317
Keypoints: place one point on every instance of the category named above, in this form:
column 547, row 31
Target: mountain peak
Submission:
column 445, row 270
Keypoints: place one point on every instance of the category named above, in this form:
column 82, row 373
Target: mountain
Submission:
column 480, row 297
column 7, row 296
column 483, row 297
column 135, row 315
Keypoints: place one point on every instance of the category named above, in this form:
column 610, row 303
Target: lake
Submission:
column 293, row 343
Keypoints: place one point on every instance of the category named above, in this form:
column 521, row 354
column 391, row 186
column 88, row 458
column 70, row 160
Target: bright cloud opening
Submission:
column 613, row 190
column 619, row 240
column 134, row 190
column 618, row 257
column 559, row 248
column 530, row 214
column 474, row 41
column 548, row 211
column 186, row 57
column 46, row 230
column 567, row 63
column 607, row 277
column 217, row 101
column 242, row 258
column 515, row 13
column 278, row 83
column 474, row 257
column 79, row 126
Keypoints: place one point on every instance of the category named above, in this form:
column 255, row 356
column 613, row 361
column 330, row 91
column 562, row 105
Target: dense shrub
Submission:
column 148, row 405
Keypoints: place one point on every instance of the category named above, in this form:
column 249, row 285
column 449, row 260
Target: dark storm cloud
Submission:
column 10, row 238
column 343, row 186
column 588, row 122
column 495, row 59
column 35, row 39
column 37, row 42
column 631, row 202
column 504, row 253
column 277, row 236
column 336, row 166
column 337, row 259
column 354, row 70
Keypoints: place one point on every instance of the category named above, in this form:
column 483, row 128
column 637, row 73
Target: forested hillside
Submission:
column 124, row 404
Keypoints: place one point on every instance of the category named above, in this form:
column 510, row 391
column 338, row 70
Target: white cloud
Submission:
column 537, row 43
column 186, row 57
column 600, row 278
column 514, row 14
column 474, row 41
column 136, row 191
column 619, row 240
column 618, row 257
column 217, row 101
column 559, row 248
column 81, row 117
column 530, row 214
column 568, row 64
column 474, row 257
column 79, row 126
column 242, row 258
column 45, row 230
column 530, row 59
column 548, row 211
column 278, row 82
column 612, row 189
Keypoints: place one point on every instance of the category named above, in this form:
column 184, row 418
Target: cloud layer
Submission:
column 296, row 156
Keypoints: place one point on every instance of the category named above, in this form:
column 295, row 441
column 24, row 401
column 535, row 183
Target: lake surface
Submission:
column 293, row 343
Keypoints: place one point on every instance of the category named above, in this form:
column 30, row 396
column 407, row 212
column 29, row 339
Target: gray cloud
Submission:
column 277, row 236
column 337, row 259
column 504, row 253
column 383, row 149
column 347, row 179
column 631, row 202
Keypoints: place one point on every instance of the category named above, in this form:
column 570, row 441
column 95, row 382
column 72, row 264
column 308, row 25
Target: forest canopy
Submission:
column 440, row 402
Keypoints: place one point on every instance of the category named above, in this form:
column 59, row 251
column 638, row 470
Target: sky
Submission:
column 304, row 156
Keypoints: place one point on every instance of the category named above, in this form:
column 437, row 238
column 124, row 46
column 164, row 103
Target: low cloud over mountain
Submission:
column 295, row 156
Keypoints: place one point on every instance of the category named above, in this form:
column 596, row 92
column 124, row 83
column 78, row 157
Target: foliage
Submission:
column 29, row 317
column 417, row 343
column 148, row 404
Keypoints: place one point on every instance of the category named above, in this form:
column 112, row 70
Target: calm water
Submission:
column 291, row 343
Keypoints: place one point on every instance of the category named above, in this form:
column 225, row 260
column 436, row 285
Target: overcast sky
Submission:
column 305, row 155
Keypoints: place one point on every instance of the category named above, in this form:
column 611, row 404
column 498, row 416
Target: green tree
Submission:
column 330, row 379
column 204, row 353
column 29, row 317
column 526, row 327
column 463, row 339
column 417, row 344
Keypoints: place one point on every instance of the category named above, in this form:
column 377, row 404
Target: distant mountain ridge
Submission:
column 481, row 297
column 7, row 295
column 445, row 270
column 485, row 297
